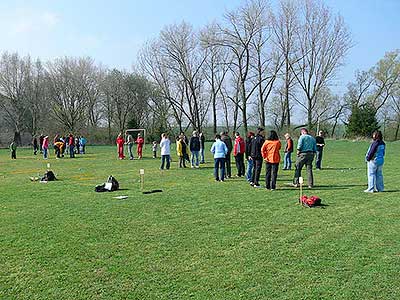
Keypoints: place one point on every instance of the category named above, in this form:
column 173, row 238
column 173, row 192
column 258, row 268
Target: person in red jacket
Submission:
column 270, row 153
column 287, row 161
column 120, row 146
column 139, row 141
column 239, row 148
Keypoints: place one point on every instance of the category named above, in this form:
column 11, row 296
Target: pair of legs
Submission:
column 228, row 165
column 121, row 152
column 239, row 159
column 249, row 171
column 375, row 177
column 44, row 153
column 202, row 155
column 13, row 154
column 195, row 158
column 318, row 159
column 287, row 161
column 130, row 145
column 271, row 175
column 219, row 165
column 71, row 152
column 165, row 160
column 256, row 171
column 182, row 162
column 140, row 152
column 304, row 159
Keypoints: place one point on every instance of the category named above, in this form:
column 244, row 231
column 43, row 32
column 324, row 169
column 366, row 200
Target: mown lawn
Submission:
column 198, row 239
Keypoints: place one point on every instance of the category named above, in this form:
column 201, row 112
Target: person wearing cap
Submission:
column 306, row 148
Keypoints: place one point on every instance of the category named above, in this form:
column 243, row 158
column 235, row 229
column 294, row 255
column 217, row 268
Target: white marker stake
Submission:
column 48, row 166
column 301, row 188
column 141, row 172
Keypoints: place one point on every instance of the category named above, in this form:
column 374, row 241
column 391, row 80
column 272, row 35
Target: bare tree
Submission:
column 284, row 26
column 14, row 78
column 67, row 92
column 323, row 42
column 216, row 68
column 243, row 26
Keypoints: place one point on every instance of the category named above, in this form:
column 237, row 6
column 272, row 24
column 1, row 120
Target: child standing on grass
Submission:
column 154, row 148
column 13, row 150
column 120, row 146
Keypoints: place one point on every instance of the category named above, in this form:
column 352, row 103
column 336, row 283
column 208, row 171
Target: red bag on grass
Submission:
column 310, row 201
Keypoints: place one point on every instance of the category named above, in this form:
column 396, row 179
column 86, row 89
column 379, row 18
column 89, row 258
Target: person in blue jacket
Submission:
column 219, row 150
column 375, row 159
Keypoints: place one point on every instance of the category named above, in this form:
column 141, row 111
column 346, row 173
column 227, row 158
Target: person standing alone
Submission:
column 165, row 147
column 375, row 159
column 320, row 147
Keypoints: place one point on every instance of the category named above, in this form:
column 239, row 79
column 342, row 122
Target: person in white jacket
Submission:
column 165, row 147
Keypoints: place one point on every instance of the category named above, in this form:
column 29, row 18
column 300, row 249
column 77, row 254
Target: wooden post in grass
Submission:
column 301, row 181
column 141, row 172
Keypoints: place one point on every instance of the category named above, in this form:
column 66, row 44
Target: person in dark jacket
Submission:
column 202, row 143
column 375, row 159
column 35, row 145
column 249, row 171
column 194, row 145
column 320, row 147
column 41, row 138
column 256, row 156
column 228, row 142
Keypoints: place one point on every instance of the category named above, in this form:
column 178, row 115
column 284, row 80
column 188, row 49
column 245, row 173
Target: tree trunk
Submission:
column 17, row 138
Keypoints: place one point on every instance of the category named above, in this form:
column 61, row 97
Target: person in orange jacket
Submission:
column 270, row 153
column 139, row 142
column 120, row 146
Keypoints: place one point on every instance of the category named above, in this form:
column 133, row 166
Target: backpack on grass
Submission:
column 310, row 202
column 110, row 185
column 48, row 176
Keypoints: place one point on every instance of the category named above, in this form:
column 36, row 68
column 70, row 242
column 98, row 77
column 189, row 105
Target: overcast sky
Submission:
column 112, row 31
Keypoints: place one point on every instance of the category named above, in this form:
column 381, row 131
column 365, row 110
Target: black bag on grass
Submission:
column 48, row 176
column 110, row 186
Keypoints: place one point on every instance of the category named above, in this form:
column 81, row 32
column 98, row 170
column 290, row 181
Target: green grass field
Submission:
column 198, row 239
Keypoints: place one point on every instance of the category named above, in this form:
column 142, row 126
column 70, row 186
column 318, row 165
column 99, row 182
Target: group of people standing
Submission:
column 130, row 141
column 257, row 150
column 61, row 144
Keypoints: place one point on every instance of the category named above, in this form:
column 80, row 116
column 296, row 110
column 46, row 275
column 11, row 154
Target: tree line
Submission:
column 258, row 65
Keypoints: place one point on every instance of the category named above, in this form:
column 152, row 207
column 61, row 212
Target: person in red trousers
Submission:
column 140, row 142
column 120, row 146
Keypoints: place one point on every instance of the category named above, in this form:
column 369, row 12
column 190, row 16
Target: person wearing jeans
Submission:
column 194, row 145
column 250, row 165
column 287, row 160
column 165, row 146
column 375, row 159
column 219, row 150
